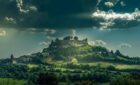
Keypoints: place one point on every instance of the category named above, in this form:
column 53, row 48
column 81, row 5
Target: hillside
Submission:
column 72, row 49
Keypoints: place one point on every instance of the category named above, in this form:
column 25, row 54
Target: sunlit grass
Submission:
column 10, row 81
column 117, row 66
column 121, row 67
column 30, row 66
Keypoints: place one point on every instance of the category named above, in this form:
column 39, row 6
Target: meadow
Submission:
column 11, row 81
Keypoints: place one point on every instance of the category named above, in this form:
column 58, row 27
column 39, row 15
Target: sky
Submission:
column 28, row 26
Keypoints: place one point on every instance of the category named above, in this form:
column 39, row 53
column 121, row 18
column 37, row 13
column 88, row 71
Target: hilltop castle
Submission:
column 68, row 41
column 63, row 47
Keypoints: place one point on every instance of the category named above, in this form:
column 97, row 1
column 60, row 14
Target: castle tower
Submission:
column 12, row 59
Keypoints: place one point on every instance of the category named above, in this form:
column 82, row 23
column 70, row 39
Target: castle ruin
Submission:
column 68, row 41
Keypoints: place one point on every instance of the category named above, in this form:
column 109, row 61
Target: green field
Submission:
column 102, row 64
column 10, row 81
column 117, row 66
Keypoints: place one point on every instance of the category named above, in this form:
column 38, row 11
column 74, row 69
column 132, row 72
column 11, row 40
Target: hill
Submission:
column 71, row 49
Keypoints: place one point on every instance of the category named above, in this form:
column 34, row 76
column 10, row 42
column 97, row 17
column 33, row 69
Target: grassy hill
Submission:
column 72, row 49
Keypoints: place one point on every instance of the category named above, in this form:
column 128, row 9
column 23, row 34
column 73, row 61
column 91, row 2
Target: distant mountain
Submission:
column 71, row 48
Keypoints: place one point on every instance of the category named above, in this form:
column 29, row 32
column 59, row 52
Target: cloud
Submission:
column 25, row 8
column 98, row 2
column 105, row 25
column 44, row 43
column 45, row 31
column 49, row 31
column 49, row 38
column 97, row 43
column 137, row 10
column 109, row 4
column 44, row 14
column 122, row 3
column 73, row 32
column 10, row 20
column 33, row 29
column 20, row 6
column 100, row 42
column 125, row 45
column 91, row 43
column 2, row 33
column 33, row 8
column 112, row 15
column 112, row 19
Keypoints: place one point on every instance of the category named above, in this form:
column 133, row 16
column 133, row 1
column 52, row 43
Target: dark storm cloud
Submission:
column 62, row 13
column 49, row 13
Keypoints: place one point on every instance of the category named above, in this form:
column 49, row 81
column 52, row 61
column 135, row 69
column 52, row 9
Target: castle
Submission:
column 68, row 42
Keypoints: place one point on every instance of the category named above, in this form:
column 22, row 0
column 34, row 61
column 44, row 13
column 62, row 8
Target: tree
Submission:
column 75, row 38
column 118, row 53
column 85, row 82
column 111, row 67
column 74, row 61
column 47, row 79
